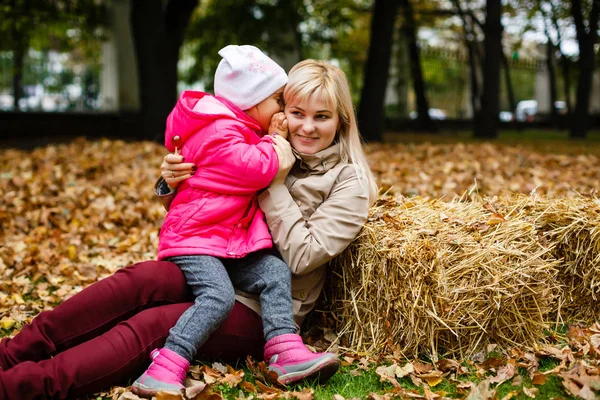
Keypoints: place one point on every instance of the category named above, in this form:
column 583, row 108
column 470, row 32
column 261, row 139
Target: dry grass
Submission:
column 439, row 277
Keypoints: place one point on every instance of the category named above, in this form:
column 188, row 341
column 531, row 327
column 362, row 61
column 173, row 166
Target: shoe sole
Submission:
column 320, row 372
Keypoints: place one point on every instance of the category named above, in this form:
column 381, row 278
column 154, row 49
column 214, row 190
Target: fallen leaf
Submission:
column 169, row 396
column 7, row 322
column 406, row 369
column 531, row 392
column 128, row 396
column 305, row 394
column 481, row 391
column 539, row 379
column 433, row 381
column 387, row 373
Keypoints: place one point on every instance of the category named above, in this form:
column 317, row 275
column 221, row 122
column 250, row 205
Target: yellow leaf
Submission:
column 17, row 298
column 72, row 252
column 7, row 322
column 511, row 394
column 433, row 381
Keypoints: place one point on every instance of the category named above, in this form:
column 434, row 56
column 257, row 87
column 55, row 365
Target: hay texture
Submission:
column 571, row 226
column 439, row 277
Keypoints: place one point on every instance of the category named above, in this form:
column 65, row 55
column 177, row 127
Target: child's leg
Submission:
column 214, row 293
column 287, row 355
column 268, row 276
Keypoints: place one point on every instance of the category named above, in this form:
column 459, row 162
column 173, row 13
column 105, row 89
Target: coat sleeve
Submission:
column 306, row 244
column 235, row 166
column 164, row 192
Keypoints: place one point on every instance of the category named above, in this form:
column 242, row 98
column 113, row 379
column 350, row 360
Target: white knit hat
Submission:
column 246, row 76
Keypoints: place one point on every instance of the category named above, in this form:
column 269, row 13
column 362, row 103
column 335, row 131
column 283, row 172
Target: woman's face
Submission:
column 312, row 124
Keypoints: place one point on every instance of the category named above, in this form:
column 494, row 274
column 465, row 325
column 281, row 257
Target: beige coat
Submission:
column 312, row 219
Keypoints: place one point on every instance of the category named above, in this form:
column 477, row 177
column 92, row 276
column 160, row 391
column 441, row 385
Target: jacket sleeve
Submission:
column 164, row 192
column 307, row 244
column 236, row 166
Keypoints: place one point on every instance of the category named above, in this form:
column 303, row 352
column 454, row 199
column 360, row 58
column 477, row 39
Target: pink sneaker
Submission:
column 165, row 374
column 293, row 361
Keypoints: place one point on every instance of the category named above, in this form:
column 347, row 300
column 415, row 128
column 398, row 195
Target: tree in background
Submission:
column 550, row 11
column 47, row 24
column 486, row 121
column 409, row 33
column 587, row 37
column 371, row 108
column 470, row 39
column 158, row 30
column 272, row 26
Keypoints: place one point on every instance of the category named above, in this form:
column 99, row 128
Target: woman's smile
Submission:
column 312, row 123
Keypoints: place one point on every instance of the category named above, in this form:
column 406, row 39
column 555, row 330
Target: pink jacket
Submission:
column 216, row 211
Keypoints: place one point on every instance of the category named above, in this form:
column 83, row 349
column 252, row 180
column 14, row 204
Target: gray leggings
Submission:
column 212, row 281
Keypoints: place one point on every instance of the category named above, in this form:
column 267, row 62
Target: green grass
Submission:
column 348, row 385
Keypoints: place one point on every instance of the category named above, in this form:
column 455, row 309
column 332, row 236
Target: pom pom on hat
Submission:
column 246, row 76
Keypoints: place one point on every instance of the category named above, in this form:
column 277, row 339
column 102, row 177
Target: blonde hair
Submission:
column 311, row 78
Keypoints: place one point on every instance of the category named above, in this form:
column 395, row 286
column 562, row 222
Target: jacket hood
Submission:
column 194, row 110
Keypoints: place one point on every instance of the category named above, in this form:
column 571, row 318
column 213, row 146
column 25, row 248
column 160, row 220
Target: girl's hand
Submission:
column 279, row 125
column 286, row 159
column 174, row 170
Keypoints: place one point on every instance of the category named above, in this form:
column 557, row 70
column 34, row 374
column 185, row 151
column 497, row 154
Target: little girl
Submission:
column 215, row 231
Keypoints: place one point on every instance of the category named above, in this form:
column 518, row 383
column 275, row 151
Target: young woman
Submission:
column 314, row 207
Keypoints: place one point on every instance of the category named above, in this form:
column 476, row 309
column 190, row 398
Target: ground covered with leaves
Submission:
column 74, row 213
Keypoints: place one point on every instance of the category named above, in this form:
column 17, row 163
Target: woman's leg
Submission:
column 124, row 352
column 240, row 335
column 95, row 310
column 111, row 358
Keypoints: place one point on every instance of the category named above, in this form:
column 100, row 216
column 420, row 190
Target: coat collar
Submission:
column 322, row 161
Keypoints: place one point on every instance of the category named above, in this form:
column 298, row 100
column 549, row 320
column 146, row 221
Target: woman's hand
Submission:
column 286, row 159
column 174, row 170
column 279, row 125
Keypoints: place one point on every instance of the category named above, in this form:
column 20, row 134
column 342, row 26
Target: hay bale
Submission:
column 572, row 227
column 442, row 278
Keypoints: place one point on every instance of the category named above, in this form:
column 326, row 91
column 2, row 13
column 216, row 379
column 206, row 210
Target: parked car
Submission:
column 434, row 113
column 505, row 116
column 528, row 109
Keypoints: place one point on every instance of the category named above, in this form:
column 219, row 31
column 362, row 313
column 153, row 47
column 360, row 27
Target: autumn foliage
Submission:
column 481, row 268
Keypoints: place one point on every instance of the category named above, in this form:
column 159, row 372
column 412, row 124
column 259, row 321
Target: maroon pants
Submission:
column 104, row 335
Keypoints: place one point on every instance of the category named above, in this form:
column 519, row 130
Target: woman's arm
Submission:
column 307, row 244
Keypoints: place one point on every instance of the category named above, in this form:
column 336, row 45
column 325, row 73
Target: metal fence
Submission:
column 51, row 81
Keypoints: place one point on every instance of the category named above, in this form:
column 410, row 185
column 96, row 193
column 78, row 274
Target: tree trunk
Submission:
column 20, row 46
column 409, row 31
column 17, row 77
column 565, row 65
column 552, row 81
column 469, row 37
column 158, row 34
column 586, row 39
column 402, row 77
column 509, row 86
column 371, row 108
column 550, row 49
column 486, row 122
